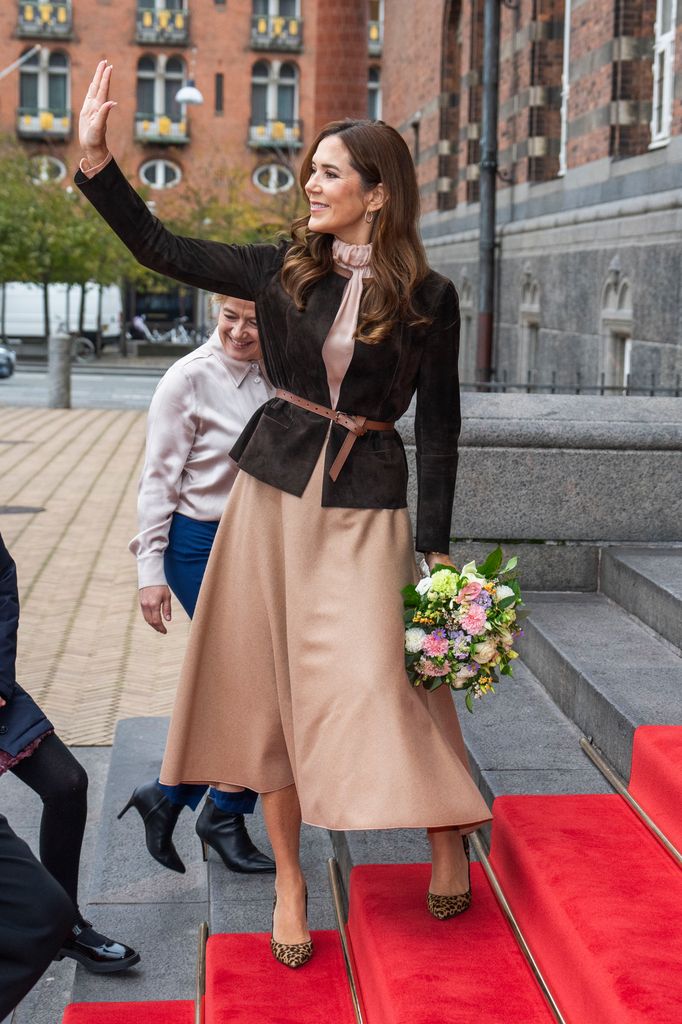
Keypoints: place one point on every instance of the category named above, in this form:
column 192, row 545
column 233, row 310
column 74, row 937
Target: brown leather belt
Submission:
column 355, row 425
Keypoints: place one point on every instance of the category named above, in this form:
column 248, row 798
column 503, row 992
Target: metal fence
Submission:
column 503, row 385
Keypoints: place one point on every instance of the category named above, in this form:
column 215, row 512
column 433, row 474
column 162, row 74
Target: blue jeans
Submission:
column 189, row 545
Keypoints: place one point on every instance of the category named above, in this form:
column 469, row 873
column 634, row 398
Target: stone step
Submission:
column 648, row 583
column 520, row 742
column 603, row 669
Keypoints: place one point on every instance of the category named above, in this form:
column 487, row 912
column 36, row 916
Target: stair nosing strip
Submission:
column 615, row 780
column 516, row 929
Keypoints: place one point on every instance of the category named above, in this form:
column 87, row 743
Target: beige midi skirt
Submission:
column 294, row 671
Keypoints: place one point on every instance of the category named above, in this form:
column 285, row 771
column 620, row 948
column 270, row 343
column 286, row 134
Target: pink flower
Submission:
column 469, row 591
column 434, row 645
column 429, row 668
column 474, row 621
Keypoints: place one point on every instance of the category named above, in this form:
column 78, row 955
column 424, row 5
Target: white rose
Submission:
column 502, row 591
column 424, row 585
column 414, row 640
column 485, row 651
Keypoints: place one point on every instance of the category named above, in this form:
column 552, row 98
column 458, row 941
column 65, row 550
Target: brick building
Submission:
column 590, row 160
column 271, row 72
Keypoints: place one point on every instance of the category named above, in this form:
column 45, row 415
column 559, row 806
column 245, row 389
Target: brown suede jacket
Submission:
column 281, row 443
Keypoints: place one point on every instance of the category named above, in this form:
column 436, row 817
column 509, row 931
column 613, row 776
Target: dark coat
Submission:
column 21, row 720
column 281, row 443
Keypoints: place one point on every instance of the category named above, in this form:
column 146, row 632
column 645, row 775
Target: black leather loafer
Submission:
column 96, row 952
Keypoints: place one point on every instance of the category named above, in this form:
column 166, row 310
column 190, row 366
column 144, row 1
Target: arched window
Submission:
column 44, row 95
column 374, row 94
column 615, row 362
column 274, row 104
column 159, row 116
column 467, row 336
column 528, row 355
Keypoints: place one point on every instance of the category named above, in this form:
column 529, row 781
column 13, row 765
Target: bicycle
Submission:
column 82, row 349
column 177, row 333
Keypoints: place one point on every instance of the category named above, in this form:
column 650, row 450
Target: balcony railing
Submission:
column 33, row 123
column 161, row 26
column 284, row 134
column 276, row 33
column 376, row 38
column 45, row 20
column 160, row 128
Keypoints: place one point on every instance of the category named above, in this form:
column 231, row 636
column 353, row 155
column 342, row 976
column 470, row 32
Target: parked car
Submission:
column 8, row 361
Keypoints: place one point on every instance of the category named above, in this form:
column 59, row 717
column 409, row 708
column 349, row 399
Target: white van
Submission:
column 24, row 318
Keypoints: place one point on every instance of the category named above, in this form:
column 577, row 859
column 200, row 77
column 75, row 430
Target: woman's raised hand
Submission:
column 92, row 124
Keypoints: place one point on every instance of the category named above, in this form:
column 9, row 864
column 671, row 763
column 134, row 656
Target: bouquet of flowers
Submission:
column 460, row 626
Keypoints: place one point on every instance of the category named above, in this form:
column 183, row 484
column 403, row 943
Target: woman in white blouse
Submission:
column 198, row 411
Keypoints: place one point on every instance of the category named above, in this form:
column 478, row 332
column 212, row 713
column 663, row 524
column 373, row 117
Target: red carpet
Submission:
column 245, row 985
column 422, row 971
column 656, row 776
column 179, row 1012
column 600, row 903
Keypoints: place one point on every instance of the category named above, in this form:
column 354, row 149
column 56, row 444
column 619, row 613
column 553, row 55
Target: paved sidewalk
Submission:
column 68, row 481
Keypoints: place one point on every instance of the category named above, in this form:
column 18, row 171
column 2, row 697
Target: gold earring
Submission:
column 369, row 216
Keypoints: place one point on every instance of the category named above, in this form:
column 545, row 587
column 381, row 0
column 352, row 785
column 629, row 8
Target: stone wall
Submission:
column 556, row 478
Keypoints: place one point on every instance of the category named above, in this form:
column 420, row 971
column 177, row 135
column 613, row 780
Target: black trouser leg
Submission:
column 61, row 782
column 35, row 917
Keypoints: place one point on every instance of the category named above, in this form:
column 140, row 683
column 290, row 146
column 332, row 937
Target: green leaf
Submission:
column 511, row 564
column 410, row 596
column 492, row 563
column 433, row 683
column 408, row 616
column 468, row 700
column 506, row 670
column 439, row 566
column 506, row 602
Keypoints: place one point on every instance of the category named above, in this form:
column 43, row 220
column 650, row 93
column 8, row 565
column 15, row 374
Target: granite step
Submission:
column 604, row 670
column 648, row 583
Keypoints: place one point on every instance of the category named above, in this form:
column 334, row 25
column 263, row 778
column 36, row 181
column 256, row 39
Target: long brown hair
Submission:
column 379, row 154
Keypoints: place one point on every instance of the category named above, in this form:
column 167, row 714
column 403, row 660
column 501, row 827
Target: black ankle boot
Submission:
column 159, row 816
column 227, row 835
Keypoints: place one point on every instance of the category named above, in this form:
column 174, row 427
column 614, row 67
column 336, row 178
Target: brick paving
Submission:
column 85, row 653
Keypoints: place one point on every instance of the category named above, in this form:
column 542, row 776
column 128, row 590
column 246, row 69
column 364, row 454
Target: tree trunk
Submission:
column 81, row 309
column 98, row 336
column 46, row 309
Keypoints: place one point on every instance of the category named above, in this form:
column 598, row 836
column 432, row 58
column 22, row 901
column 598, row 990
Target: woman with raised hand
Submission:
column 294, row 683
column 199, row 409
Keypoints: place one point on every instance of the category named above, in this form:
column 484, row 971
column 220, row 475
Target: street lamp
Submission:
column 22, row 60
column 189, row 92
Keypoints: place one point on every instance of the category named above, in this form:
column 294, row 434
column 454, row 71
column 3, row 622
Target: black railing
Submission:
column 35, row 121
column 162, row 26
column 276, row 134
column 276, row 33
column 44, row 21
column 504, row 385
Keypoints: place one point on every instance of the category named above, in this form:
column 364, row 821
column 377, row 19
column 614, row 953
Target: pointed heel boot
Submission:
column 290, row 954
column 227, row 835
column 159, row 816
column 445, row 907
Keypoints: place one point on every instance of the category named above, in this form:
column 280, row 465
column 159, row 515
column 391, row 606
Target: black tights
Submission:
column 62, row 784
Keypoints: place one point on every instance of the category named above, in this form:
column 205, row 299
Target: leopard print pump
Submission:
column 295, row 955
column 445, row 907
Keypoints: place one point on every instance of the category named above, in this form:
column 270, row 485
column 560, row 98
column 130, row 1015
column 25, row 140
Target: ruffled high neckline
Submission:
column 351, row 257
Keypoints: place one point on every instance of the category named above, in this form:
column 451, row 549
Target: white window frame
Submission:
column 42, row 71
column 615, row 356
column 272, row 88
column 664, row 53
column 159, row 78
column 273, row 11
column 274, row 169
column 163, row 186
column 529, row 332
